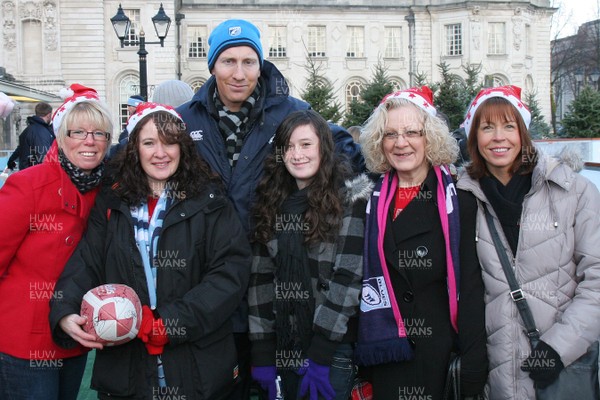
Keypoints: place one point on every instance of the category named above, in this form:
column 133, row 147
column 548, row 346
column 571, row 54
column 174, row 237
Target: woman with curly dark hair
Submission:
column 164, row 228
column 306, row 273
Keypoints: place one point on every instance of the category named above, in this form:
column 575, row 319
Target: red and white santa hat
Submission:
column 144, row 109
column 422, row 97
column 74, row 94
column 510, row 92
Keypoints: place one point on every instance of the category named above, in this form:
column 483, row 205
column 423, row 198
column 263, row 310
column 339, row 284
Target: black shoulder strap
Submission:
column 516, row 293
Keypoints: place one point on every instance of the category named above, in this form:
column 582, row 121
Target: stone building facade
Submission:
column 49, row 44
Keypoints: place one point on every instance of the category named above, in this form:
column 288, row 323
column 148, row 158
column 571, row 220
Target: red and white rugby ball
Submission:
column 113, row 312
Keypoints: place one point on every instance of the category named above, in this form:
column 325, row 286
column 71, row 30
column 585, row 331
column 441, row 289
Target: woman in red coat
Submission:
column 43, row 217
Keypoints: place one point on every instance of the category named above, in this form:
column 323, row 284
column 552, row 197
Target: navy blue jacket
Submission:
column 201, row 118
column 34, row 142
column 275, row 103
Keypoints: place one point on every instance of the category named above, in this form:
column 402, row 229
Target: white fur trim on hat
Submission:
column 144, row 109
column 509, row 92
column 421, row 97
column 76, row 93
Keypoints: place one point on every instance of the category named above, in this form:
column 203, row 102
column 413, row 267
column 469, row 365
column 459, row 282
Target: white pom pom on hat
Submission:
column 509, row 92
column 75, row 93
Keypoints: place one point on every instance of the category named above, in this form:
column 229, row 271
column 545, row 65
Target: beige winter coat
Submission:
column 558, row 266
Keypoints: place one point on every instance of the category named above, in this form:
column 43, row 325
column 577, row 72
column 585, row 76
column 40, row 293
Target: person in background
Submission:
column 132, row 102
column 548, row 219
column 306, row 275
column 232, row 119
column 35, row 140
column 422, row 295
column 162, row 226
column 172, row 93
column 47, row 208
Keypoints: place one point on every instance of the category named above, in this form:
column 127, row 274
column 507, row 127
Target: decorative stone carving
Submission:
column 517, row 32
column 30, row 10
column 476, row 33
column 8, row 13
column 10, row 40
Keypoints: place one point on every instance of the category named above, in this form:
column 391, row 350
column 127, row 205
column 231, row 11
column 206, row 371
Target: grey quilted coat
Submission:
column 558, row 266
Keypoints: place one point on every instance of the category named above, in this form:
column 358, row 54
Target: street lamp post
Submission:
column 578, row 80
column 594, row 76
column 121, row 25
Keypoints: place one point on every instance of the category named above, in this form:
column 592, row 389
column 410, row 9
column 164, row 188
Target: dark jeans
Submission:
column 22, row 379
column 341, row 376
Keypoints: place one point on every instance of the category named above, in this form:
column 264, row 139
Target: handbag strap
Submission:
column 516, row 293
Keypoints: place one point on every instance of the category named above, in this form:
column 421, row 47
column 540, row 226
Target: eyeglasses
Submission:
column 393, row 136
column 98, row 136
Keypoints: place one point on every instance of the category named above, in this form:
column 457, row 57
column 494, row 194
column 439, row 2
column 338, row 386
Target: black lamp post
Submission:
column 121, row 24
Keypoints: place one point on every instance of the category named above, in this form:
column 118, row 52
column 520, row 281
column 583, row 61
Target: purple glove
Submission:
column 266, row 377
column 316, row 381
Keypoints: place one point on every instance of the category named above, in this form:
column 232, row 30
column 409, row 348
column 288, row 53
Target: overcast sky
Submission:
column 571, row 14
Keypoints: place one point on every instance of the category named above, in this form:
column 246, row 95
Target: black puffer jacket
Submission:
column 204, row 271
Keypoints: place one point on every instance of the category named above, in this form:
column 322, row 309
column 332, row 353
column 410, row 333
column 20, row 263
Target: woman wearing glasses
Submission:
column 422, row 295
column 43, row 217
column 163, row 227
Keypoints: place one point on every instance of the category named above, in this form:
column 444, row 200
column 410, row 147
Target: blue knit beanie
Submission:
column 231, row 33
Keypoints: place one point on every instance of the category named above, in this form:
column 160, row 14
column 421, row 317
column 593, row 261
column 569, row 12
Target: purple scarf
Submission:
column 381, row 332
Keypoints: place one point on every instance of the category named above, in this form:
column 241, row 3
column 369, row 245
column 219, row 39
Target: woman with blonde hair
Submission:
column 49, row 207
column 419, row 256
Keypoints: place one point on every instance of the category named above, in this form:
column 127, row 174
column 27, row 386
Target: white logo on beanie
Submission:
column 235, row 31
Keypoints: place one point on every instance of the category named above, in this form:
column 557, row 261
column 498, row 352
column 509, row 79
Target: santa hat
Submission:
column 74, row 94
column 144, row 109
column 422, row 97
column 509, row 92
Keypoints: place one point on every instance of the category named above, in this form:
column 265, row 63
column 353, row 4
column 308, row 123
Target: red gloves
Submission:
column 152, row 332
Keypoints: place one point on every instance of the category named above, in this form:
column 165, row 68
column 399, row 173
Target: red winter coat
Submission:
column 42, row 218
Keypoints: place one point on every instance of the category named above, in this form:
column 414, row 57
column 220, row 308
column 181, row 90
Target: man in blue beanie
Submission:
column 232, row 119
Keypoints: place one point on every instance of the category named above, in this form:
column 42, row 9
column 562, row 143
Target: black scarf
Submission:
column 507, row 202
column 82, row 181
column 294, row 302
column 232, row 124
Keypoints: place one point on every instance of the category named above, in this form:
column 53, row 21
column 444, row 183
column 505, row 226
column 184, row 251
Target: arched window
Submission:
column 353, row 89
column 197, row 83
column 129, row 85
